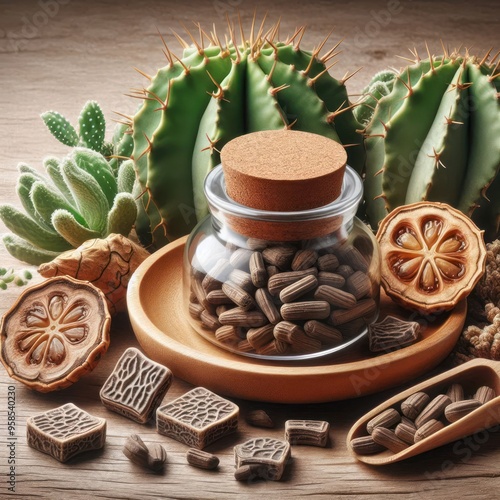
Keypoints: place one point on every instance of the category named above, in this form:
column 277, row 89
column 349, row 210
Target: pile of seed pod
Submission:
column 419, row 417
column 278, row 299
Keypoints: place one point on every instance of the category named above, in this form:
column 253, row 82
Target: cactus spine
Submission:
column 214, row 93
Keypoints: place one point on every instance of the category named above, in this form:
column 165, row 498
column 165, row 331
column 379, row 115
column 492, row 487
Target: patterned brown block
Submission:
column 66, row 431
column 198, row 418
column 272, row 454
column 308, row 432
column 136, row 386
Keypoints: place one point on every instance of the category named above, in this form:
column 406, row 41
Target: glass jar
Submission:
column 309, row 292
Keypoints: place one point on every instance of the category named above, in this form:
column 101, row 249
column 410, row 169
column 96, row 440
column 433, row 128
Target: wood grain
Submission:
column 86, row 50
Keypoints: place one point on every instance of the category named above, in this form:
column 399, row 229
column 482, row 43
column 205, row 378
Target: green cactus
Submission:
column 214, row 93
column 436, row 137
column 80, row 200
column 91, row 133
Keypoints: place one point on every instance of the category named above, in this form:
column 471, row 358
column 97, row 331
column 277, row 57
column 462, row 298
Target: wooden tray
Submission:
column 158, row 319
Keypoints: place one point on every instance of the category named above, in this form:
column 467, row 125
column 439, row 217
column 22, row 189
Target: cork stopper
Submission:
column 283, row 170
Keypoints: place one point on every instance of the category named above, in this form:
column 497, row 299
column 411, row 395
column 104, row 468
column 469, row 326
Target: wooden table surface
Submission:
column 56, row 54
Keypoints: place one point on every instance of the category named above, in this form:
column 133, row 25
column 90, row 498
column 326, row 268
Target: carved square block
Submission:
column 198, row 418
column 65, row 431
column 136, row 386
column 272, row 454
column 309, row 432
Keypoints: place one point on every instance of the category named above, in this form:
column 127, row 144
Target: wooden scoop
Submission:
column 471, row 375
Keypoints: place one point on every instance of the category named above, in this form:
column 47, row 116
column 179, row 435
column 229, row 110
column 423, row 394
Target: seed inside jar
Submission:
column 325, row 294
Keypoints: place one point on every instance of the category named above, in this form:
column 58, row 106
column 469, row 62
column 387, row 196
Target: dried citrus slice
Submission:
column 432, row 256
column 54, row 333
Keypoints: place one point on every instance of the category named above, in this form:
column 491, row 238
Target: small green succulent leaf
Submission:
column 24, row 168
column 92, row 126
column 126, row 177
column 90, row 200
column 26, row 252
column 53, row 166
column 25, row 227
column 96, row 165
column 60, row 128
column 23, row 188
column 70, row 229
column 122, row 215
column 47, row 200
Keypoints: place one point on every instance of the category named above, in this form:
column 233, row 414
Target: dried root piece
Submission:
column 392, row 333
column 107, row 263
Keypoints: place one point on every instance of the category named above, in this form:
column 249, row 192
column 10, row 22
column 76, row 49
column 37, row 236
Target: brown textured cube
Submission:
column 272, row 454
column 198, row 418
column 308, row 432
column 65, row 431
column 136, row 386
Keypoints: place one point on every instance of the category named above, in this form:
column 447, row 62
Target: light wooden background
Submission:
column 56, row 54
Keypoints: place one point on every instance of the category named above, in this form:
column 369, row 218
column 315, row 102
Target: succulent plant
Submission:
column 218, row 91
column 81, row 200
column 91, row 133
column 436, row 137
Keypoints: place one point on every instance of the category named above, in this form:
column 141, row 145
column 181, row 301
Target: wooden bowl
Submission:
column 158, row 317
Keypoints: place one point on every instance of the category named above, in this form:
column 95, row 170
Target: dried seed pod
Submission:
column 331, row 279
column 455, row 392
column 358, row 284
column 287, row 331
column 345, row 271
column 258, row 270
column 388, row 439
column 157, row 456
column 299, row 288
column 328, row 263
column 405, row 432
column 202, row 459
column 210, row 320
column 335, row 297
column 240, row 259
column 365, row 445
column 414, row 404
column 433, row 410
column 455, row 411
column 227, row 334
column 364, row 308
column 268, row 307
column 249, row 472
column 242, row 279
column 279, row 281
column 484, row 394
column 217, row 275
column 326, row 334
column 259, row 337
column 279, row 256
column 239, row 317
column 195, row 310
column 218, row 297
column 427, row 429
column 238, row 295
column 259, row 418
column 317, row 309
column 307, row 432
column 387, row 419
column 304, row 259
column 135, row 450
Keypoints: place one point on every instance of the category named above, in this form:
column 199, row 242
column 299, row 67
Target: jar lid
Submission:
column 284, row 225
column 283, row 170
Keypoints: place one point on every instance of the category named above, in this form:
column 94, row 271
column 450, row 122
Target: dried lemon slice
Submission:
column 54, row 333
column 432, row 256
